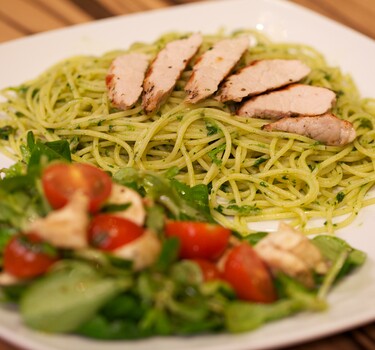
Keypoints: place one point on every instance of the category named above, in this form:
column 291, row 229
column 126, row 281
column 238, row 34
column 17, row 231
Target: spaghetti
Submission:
column 255, row 175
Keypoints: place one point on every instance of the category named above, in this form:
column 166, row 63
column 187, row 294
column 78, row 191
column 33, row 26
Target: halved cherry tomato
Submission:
column 61, row 180
column 248, row 275
column 25, row 256
column 209, row 270
column 108, row 232
column 199, row 239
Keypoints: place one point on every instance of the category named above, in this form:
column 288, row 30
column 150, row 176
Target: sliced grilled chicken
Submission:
column 326, row 128
column 294, row 100
column 262, row 76
column 213, row 66
column 143, row 251
column 66, row 227
column 123, row 195
column 292, row 253
column 164, row 71
column 125, row 79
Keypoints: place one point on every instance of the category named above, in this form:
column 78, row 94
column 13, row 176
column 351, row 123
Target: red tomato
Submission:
column 24, row 256
column 209, row 270
column 108, row 232
column 199, row 239
column 248, row 275
column 61, row 180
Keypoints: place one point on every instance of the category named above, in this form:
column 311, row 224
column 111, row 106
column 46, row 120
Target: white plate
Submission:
column 351, row 300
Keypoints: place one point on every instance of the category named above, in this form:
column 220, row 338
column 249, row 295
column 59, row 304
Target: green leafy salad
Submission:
column 133, row 255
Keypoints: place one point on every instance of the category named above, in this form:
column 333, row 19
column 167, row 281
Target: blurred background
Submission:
column 19, row 18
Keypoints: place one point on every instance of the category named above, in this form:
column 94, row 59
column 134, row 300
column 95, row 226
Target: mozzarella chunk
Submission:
column 292, row 253
column 121, row 195
column 143, row 251
column 66, row 227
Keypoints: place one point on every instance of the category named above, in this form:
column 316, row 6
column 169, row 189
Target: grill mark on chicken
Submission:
column 294, row 100
column 213, row 66
column 261, row 76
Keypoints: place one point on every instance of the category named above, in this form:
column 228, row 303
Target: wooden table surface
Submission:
column 19, row 18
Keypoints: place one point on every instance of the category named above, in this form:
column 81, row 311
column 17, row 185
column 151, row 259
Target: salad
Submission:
column 136, row 254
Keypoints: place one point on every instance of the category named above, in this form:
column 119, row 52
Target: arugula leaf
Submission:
column 190, row 310
column 292, row 289
column 48, row 151
column 332, row 247
column 128, row 177
column 157, row 322
column 213, row 154
column 187, row 272
column 246, row 316
column 108, row 264
column 331, row 276
column 168, row 255
column 245, row 209
column 30, row 141
column 254, row 238
column 125, row 305
column 99, row 327
column 19, row 203
column 113, row 208
column 16, row 169
column 21, row 196
column 218, row 289
column 180, row 201
column 197, row 196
